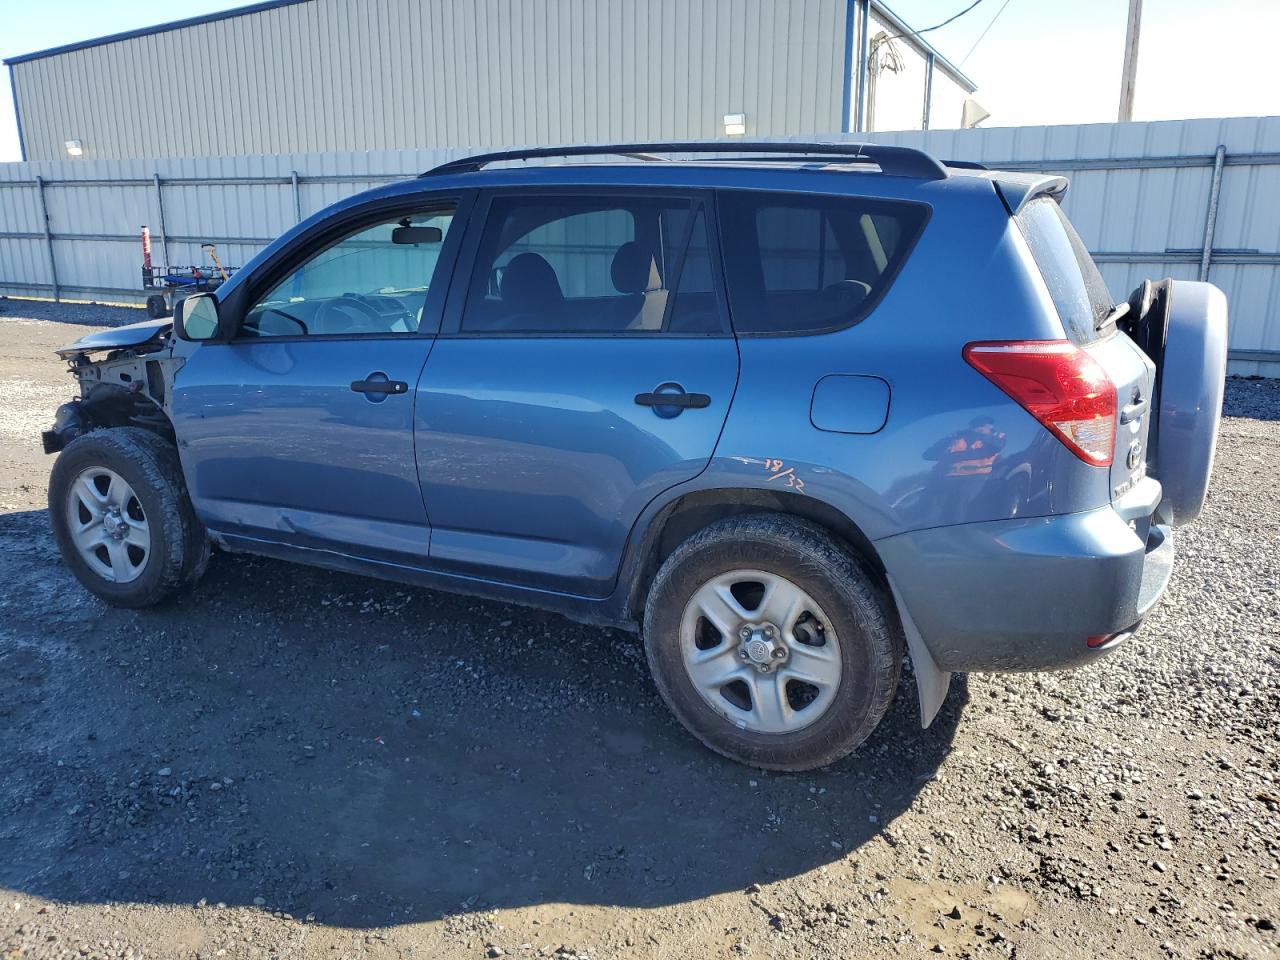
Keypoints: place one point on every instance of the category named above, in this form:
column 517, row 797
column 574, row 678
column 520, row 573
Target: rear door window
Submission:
column 593, row 265
column 804, row 264
column 1075, row 285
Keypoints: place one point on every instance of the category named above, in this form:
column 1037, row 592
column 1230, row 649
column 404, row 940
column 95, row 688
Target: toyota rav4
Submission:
column 794, row 412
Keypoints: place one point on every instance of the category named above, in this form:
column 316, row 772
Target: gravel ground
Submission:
column 293, row 763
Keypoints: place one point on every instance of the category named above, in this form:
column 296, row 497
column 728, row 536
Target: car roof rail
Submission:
column 965, row 164
column 893, row 160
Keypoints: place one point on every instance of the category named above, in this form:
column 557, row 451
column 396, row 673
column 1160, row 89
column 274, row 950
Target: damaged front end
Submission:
column 129, row 386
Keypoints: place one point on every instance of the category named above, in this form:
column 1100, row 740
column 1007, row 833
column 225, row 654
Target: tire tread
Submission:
column 818, row 558
column 184, row 552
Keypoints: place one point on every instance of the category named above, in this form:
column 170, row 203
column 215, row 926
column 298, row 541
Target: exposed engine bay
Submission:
column 129, row 386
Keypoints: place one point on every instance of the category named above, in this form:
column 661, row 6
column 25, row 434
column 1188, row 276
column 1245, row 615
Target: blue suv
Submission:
column 794, row 411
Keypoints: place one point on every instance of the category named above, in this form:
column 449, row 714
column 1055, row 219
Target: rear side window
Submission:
column 1075, row 285
column 803, row 264
column 583, row 265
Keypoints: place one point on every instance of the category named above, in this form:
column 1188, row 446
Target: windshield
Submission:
column 1074, row 283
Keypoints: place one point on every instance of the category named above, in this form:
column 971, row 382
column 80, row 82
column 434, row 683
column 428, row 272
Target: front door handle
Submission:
column 684, row 401
column 377, row 386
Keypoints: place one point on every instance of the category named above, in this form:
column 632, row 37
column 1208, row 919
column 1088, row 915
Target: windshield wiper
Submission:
column 1114, row 314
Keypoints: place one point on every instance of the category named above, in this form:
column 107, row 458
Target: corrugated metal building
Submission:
column 340, row 75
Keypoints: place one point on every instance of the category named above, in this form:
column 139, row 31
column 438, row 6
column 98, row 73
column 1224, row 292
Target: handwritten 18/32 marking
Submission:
column 779, row 470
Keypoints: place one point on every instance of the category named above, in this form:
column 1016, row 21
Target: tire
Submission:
column 165, row 546
column 157, row 309
column 1191, row 378
column 842, row 609
column 198, row 547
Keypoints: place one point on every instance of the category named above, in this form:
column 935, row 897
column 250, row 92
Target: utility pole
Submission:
column 1130, row 61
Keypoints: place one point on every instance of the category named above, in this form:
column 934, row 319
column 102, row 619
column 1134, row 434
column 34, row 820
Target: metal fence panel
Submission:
column 1140, row 197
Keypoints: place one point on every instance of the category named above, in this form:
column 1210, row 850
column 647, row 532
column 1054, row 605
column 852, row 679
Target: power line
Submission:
column 985, row 32
column 936, row 26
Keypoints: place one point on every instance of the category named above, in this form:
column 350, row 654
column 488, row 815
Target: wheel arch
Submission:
column 118, row 392
column 688, row 513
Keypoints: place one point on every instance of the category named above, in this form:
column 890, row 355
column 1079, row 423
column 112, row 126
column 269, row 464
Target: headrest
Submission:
column 634, row 269
column 528, row 279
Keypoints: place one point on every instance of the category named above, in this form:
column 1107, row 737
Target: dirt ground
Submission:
column 293, row 763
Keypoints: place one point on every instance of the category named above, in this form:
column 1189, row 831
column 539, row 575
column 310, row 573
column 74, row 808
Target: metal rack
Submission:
column 167, row 286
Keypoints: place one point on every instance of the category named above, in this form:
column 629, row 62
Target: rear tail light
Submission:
column 1058, row 384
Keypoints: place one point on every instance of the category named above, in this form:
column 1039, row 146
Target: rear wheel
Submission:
column 122, row 518
column 770, row 644
column 156, row 307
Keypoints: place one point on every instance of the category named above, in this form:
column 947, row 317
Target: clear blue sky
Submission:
column 1043, row 61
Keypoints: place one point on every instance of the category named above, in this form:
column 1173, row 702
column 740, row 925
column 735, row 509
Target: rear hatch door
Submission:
column 1133, row 373
column 1089, row 320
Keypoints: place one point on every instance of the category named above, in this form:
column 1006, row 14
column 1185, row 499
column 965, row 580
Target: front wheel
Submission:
column 770, row 644
column 122, row 519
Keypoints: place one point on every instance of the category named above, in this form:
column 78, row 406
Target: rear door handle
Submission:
column 378, row 383
column 685, row 401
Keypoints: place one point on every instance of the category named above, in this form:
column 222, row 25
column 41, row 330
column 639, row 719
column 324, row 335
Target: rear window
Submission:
column 803, row 264
column 1074, row 283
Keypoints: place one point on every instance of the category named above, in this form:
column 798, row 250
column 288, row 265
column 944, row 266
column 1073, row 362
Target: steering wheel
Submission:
column 321, row 317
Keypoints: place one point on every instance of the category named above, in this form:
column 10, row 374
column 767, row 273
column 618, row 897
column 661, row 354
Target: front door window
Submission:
column 372, row 281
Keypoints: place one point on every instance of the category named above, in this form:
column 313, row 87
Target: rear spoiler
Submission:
column 1018, row 189
column 1015, row 190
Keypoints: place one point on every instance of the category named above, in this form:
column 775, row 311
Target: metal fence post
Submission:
column 1211, row 214
column 297, row 196
column 864, row 58
column 164, row 233
column 48, row 238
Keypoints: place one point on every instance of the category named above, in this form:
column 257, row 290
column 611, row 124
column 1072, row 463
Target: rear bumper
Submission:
column 1027, row 594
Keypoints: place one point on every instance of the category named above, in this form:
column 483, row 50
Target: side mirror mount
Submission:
column 196, row 318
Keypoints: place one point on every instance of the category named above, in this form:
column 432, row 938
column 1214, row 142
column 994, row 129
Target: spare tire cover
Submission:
column 1192, row 378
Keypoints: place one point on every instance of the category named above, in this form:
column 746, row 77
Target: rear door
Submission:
column 585, row 366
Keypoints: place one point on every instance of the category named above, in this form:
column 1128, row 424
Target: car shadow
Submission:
column 326, row 744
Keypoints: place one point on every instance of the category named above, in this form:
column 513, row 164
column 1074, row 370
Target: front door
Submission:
column 584, row 367
column 300, row 430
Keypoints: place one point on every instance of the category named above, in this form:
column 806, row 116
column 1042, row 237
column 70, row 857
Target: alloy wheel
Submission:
column 108, row 525
column 760, row 651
